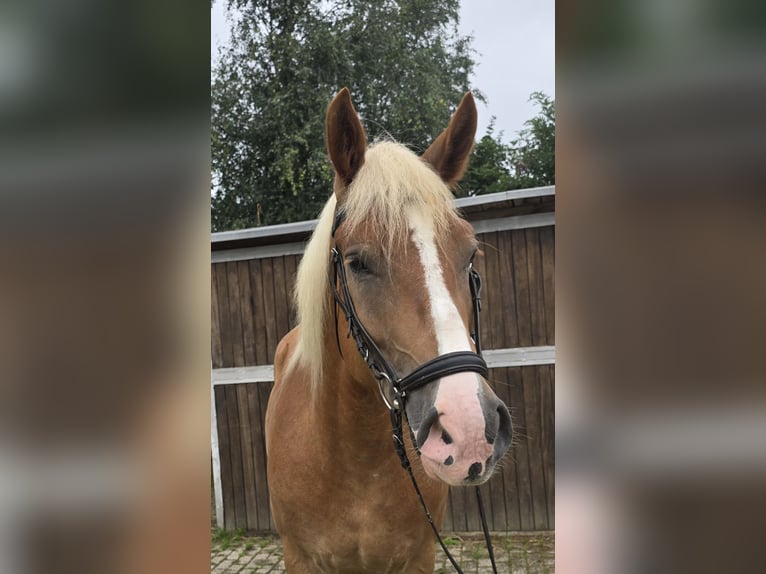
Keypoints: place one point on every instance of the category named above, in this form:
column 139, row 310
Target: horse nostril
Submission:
column 474, row 471
column 425, row 426
column 504, row 432
column 497, row 425
column 491, row 426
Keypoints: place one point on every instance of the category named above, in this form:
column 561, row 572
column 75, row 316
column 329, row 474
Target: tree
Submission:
column 528, row 161
column 489, row 170
column 532, row 155
column 404, row 61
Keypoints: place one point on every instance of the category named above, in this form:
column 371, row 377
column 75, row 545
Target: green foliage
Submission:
column 528, row 161
column 223, row 539
column 532, row 155
column 489, row 170
column 404, row 61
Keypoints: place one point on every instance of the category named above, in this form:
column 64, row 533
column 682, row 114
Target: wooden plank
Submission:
column 507, row 308
column 267, row 231
column 490, row 512
column 509, row 466
column 499, row 222
column 521, row 285
column 235, row 315
column 248, row 471
column 215, row 323
column 258, row 252
column 494, row 497
column 495, row 358
column 281, row 298
column 472, row 519
column 307, row 226
column 493, row 311
column 548, row 438
column 235, row 457
column 520, row 356
column 457, row 504
column 264, row 390
column 257, row 411
column 267, row 278
column 246, row 309
column 518, row 410
column 534, row 442
column 515, row 222
column 548, row 251
column 531, row 392
column 447, row 522
column 291, row 267
column 239, row 375
column 492, row 293
column 224, row 450
column 535, row 274
column 227, row 357
column 216, row 499
column 259, row 313
column 521, row 446
column 481, row 263
column 516, row 196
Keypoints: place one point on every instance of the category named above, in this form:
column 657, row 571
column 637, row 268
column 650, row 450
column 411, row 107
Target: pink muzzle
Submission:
column 462, row 444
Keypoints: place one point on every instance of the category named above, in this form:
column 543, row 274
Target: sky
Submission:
column 514, row 41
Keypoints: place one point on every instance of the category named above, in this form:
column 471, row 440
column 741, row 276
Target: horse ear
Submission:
column 450, row 152
column 346, row 139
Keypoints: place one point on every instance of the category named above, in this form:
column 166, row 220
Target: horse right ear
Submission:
column 450, row 152
column 346, row 140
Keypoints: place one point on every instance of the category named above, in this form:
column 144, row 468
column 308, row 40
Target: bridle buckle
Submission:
column 384, row 380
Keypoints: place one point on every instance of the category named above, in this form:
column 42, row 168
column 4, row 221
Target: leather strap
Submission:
column 442, row 366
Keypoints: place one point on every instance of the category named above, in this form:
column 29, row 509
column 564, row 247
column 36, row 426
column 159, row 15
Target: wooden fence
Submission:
column 252, row 277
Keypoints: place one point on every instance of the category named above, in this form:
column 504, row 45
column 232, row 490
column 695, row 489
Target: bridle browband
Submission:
column 394, row 389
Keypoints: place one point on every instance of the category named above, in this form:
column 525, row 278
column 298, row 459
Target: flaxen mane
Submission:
column 391, row 178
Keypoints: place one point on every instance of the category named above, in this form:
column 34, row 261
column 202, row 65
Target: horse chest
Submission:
column 370, row 506
column 356, row 525
column 358, row 537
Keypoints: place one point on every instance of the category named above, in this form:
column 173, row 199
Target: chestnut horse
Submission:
column 339, row 496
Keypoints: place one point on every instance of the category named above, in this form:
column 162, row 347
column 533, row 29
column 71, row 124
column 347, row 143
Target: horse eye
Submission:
column 358, row 266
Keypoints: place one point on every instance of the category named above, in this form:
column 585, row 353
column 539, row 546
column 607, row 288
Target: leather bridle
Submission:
column 393, row 388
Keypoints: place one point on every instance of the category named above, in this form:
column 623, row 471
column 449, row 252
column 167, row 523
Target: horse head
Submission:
column 406, row 256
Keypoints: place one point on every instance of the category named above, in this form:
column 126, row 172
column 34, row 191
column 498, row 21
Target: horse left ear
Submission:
column 450, row 152
column 346, row 140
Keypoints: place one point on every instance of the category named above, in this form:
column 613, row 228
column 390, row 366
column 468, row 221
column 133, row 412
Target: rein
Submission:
column 394, row 390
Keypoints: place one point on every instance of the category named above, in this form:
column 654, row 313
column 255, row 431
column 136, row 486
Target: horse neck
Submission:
column 355, row 427
column 349, row 404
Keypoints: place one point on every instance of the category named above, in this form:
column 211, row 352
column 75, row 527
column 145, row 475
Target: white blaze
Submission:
column 457, row 400
column 450, row 331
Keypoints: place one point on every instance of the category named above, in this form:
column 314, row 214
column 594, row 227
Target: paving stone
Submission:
column 514, row 553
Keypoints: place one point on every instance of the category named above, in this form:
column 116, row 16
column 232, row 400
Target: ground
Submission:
column 515, row 553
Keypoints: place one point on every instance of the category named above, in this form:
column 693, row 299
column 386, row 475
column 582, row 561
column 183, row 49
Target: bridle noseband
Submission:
column 394, row 389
